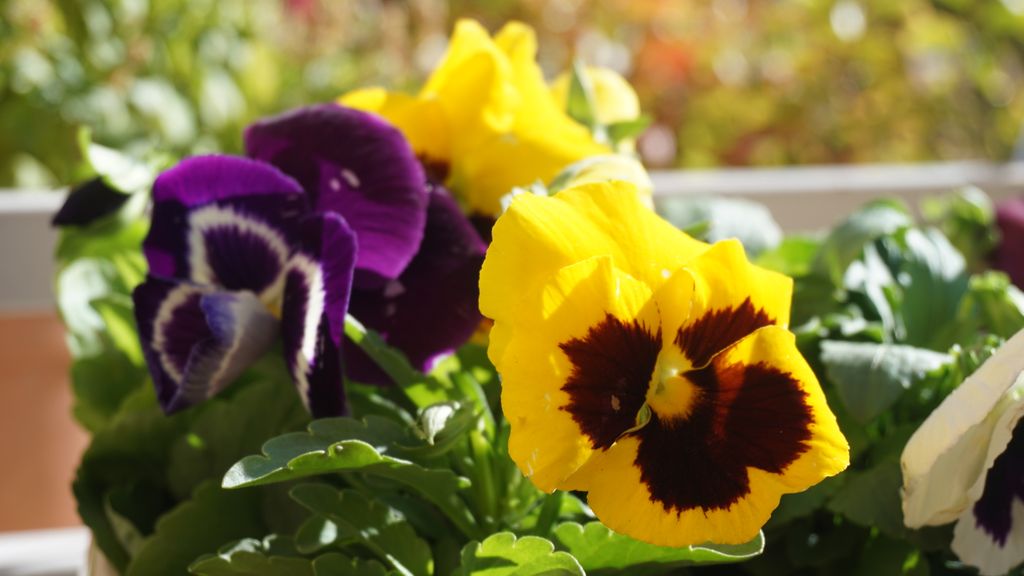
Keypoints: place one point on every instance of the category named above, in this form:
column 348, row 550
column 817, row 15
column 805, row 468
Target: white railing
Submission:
column 801, row 199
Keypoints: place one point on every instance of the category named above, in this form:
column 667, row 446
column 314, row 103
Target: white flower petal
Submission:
column 976, row 547
column 946, row 456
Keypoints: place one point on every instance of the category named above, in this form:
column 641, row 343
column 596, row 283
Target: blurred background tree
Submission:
column 728, row 82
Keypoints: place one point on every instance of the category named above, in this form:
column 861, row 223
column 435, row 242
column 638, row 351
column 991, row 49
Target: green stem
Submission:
column 548, row 513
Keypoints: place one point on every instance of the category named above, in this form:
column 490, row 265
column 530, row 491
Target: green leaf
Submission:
column 231, row 427
column 502, row 554
column 370, row 524
column 329, row 445
column 121, row 171
column 992, row 305
column 627, row 129
column 870, row 377
column 871, row 498
column 421, row 389
column 748, row 221
column 335, row 564
column 581, row 103
column 213, row 515
column 803, row 504
column 101, row 383
column 845, row 242
column 251, row 557
column 347, row 445
column 967, row 218
column 792, row 257
column 934, row 279
column 601, row 551
column 127, row 456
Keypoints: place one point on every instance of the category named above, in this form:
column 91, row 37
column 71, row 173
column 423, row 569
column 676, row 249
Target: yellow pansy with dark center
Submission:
column 649, row 369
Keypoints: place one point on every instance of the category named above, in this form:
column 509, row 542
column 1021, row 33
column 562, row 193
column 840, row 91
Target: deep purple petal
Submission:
column 317, row 287
column 432, row 308
column 197, row 340
column 359, row 166
column 225, row 221
column 1009, row 255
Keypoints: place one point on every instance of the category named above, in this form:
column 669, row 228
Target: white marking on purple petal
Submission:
column 173, row 360
column 306, row 354
column 234, row 250
column 393, row 289
column 350, row 177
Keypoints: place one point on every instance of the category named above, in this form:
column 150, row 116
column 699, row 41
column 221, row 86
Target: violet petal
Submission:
column 1009, row 255
column 317, row 287
column 225, row 221
column 197, row 340
column 431, row 309
column 359, row 166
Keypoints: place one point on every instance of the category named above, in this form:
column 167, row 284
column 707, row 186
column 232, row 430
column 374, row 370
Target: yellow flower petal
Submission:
column 473, row 82
column 539, row 235
column 547, row 442
column 718, row 475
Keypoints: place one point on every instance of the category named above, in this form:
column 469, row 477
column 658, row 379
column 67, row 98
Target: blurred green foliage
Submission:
column 728, row 82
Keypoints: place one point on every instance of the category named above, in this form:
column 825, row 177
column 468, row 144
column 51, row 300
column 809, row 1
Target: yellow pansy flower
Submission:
column 650, row 369
column 485, row 120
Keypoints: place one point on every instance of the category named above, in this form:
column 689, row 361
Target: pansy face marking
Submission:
column 649, row 370
column 304, row 279
column 709, row 418
column 236, row 251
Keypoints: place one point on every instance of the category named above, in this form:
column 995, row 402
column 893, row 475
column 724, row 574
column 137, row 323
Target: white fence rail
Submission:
column 801, row 198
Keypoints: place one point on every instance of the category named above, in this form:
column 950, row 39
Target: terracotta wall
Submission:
column 39, row 442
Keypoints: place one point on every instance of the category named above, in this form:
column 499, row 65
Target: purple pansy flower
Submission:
column 243, row 250
column 1009, row 255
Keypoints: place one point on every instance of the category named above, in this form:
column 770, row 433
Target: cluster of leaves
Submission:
column 891, row 319
column 419, row 482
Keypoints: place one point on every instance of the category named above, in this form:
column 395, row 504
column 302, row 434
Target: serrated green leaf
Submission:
column 845, row 242
column 346, row 445
column 315, row 534
column 601, row 551
column 251, row 557
column 870, row 377
column 194, row 527
column 329, row 445
column 335, row 564
column 502, row 554
column 370, row 524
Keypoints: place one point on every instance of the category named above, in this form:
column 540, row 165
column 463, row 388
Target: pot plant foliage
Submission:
column 418, row 476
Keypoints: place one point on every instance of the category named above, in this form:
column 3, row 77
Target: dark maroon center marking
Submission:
column 719, row 329
column 612, row 367
column 1004, row 483
column 745, row 416
column 437, row 170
